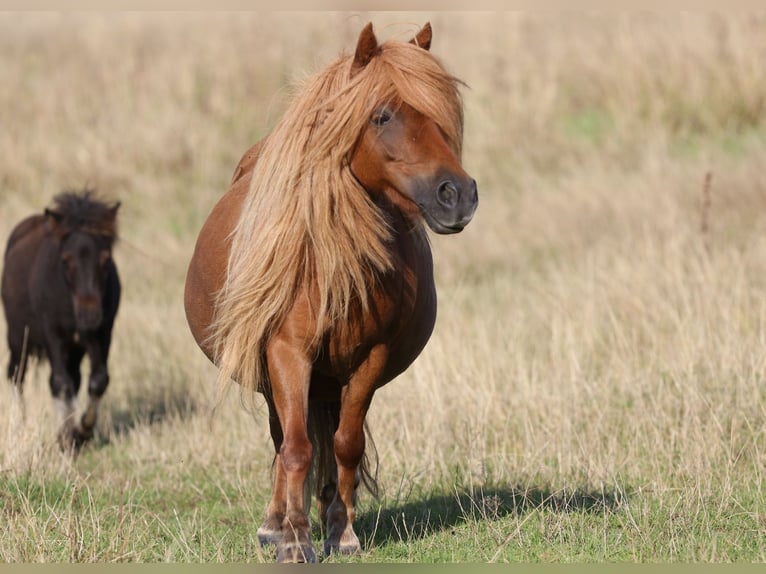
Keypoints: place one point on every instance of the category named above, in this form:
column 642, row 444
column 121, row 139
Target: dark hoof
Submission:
column 81, row 436
column 296, row 552
column 67, row 442
column 71, row 442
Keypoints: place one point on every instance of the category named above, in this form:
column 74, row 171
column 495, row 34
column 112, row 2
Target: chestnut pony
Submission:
column 312, row 281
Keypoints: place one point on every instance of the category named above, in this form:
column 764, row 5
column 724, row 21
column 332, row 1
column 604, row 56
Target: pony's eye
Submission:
column 381, row 117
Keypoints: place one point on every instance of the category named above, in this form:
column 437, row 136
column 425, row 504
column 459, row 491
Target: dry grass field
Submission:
column 595, row 389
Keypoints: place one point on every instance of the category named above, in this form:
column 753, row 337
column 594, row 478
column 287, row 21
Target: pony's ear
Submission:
column 52, row 222
column 115, row 207
column 53, row 216
column 423, row 38
column 366, row 47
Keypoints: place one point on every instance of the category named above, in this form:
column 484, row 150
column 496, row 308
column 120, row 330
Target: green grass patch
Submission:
column 111, row 513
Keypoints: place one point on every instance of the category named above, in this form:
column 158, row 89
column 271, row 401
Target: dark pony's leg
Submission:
column 270, row 532
column 74, row 357
column 97, row 349
column 17, row 366
column 63, row 389
column 97, row 346
column 73, row 360
column 349, row 452
column 289, row 374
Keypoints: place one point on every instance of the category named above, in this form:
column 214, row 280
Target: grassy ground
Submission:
column 594, row 390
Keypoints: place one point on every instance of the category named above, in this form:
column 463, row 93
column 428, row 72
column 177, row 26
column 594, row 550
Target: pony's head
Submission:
column 409, row 150
column 86, row 230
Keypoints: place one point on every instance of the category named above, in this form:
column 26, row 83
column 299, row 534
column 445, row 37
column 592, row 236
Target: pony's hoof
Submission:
column 68, row 443
column 268, row 536
column 81, row 435
column 342, row 549
column 296, row 552
column 71, row 441
column 347, row 545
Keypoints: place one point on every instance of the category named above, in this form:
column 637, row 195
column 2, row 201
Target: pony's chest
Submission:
column 400, row 316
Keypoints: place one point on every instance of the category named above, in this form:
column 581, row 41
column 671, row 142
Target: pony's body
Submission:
column 313, row 283
column 60, row 292
column 404, row 300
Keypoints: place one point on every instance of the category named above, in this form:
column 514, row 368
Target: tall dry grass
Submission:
column 591, row 331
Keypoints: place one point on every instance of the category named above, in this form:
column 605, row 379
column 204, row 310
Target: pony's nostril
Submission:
column 447, row 194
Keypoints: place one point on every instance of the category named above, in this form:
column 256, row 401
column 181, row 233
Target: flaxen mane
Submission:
column 306, row 220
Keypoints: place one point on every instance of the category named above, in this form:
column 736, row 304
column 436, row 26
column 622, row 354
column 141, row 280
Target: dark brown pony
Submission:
column 60, row 293
column 312, row 281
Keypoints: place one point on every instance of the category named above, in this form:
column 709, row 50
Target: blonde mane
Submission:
column 306, row 221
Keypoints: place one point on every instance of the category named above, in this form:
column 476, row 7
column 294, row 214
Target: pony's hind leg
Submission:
column 16, row 371
column 17, row 364
column 323, row 422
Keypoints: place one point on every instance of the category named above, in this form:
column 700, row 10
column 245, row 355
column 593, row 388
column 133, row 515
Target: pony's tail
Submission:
column 322, row 424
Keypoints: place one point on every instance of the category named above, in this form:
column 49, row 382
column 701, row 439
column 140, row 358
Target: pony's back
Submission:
column 33, row 226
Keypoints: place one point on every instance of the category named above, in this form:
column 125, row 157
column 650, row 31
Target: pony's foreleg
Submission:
column 64, row 399
column 97, row 384
column 289, row 374
column 270, row 532
column 62, row 386
column 349, row 446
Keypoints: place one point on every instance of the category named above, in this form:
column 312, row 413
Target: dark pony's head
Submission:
column 86, row 229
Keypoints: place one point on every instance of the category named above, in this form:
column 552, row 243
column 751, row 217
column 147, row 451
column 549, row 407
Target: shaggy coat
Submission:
column 60, row 293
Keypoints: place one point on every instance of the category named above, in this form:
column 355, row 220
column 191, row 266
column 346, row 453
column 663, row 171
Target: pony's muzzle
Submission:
column 471, row 202
column 456, row 203
column 450, row 206
column 88, row 313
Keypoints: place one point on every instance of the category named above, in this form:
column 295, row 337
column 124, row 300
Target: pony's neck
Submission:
column 400, row 216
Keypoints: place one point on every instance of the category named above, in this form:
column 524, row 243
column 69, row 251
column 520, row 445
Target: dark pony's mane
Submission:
column 83, row 211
